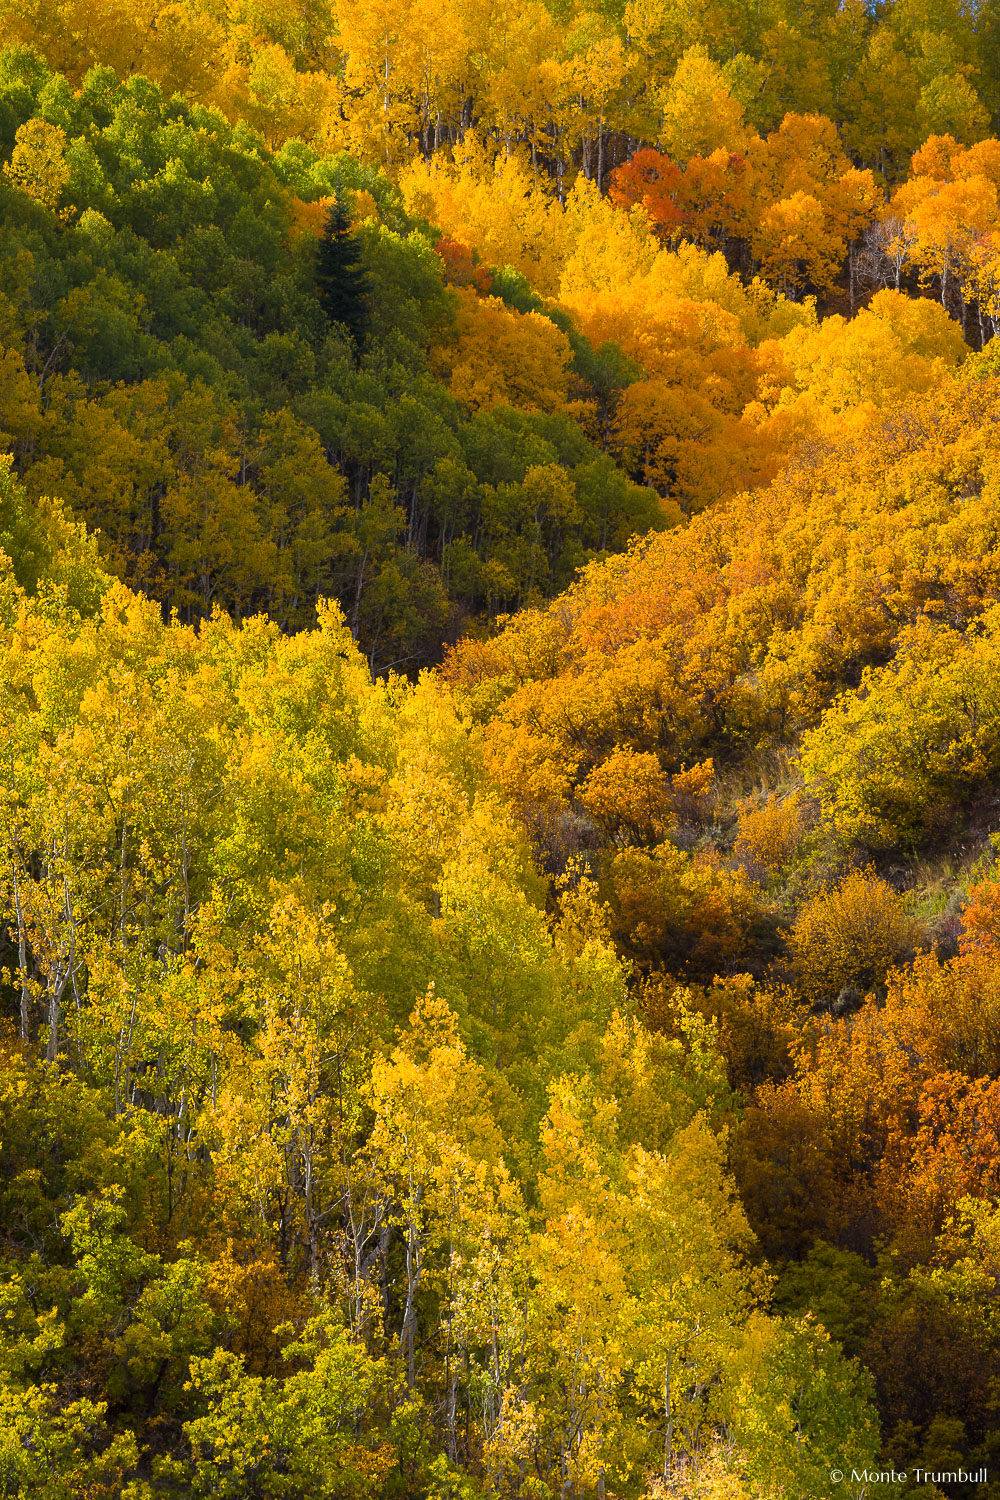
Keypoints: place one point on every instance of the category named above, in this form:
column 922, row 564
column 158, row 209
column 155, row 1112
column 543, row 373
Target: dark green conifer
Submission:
column 340, row 279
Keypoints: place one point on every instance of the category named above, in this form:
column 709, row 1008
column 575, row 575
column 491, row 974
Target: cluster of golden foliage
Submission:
column 393, row 82
column 768, row 834
column 335, row 1163
column 725, row 376
column 850, row 937
column 741, row 629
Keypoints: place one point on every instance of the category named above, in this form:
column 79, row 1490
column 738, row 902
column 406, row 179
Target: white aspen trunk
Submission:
column 408, row 1331
column 22, row 956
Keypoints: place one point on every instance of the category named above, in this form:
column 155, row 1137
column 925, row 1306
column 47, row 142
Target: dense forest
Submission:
column 500, row 798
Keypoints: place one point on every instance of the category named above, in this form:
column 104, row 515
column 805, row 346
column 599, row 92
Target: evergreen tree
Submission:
column 340, row 279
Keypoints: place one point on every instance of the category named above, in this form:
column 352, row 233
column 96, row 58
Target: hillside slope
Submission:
column 499, row 633
column 773, row 738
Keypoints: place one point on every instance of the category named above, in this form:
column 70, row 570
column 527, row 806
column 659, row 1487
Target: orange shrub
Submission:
column 680, row 914
column 850, row 936
column 981, row 918
column 630, row 797
column 692, row 787
column 768, row 835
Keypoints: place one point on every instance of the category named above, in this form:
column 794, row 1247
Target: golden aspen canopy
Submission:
column 500, row 755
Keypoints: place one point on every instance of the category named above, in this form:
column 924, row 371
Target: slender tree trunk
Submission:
column 408, row 1331
column 359, row 588
column 384, row 1285
column 57, row 983
column 668, row 1441
column 452, row 1408
column 22, row 956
